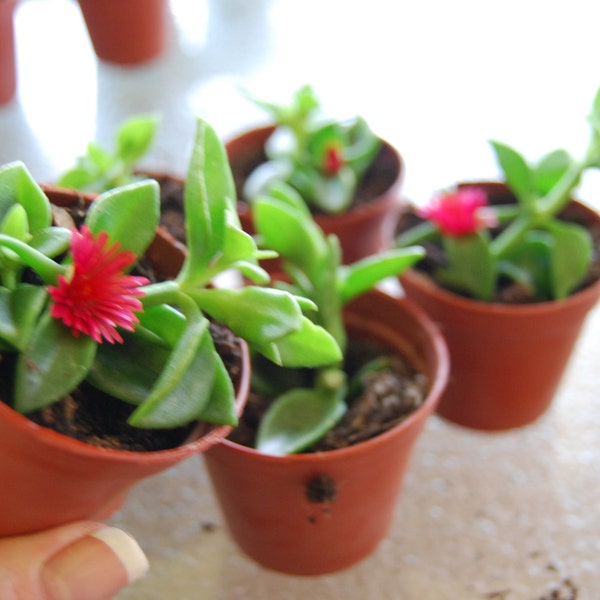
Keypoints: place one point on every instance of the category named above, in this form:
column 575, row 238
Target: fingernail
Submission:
column 96, row 566
column 126, row 549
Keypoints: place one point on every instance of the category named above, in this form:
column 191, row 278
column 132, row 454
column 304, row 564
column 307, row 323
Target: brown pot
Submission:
column 507, row 359
column 264, row 498
column 50, row 479
column 8, row 77
column 127, row 32
column 362, row 231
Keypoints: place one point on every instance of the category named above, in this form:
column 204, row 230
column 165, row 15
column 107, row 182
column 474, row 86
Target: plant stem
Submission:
column 45, row 267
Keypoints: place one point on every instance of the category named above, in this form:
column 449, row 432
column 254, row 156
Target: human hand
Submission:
column 79, row 561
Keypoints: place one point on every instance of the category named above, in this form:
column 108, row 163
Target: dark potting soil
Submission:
column 509, row 292
column 389, row 396
column 96, row 418
column 377, row 179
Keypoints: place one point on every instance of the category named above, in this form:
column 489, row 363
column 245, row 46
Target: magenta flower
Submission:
column 97, row 297
column 459, row 213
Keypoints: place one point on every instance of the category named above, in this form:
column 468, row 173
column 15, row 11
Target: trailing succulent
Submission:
column 308, row 403
column 526, row 242
column 322, row 159
column 83, row 316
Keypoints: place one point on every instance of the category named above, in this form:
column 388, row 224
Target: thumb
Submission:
column 79, row 561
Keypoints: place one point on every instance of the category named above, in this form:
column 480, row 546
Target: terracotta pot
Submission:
column 507, row 359
column 264, row 498
column 8, row 77
column 50, row 479
column 126, row 32
column 362, row 231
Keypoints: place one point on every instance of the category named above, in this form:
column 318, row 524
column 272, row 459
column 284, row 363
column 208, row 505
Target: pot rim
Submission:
column 439, row 379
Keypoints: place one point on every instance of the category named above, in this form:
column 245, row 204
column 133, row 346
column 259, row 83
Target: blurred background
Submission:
column 512, row 516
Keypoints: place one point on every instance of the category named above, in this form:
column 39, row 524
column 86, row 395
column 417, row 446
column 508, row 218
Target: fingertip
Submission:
column 96, row 566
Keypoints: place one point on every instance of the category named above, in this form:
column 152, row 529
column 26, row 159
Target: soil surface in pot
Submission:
column 389, row 396
column 509, row 292
column 377, row 179
column 96, row 418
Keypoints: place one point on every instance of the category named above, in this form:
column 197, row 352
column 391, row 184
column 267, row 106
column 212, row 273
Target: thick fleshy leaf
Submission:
column 571, row 252
column 129, row 371
column 299, row 418
column 220, row 409
column 51, row 365
column 129, row 214
column 472, row 267
column 363, row 275
column 289, row 233
column 258, row 315
column 209, row 193
column 516, row 172
column 529, row 264
column 51, row 241
column 184, row 387
column 17, row 185
column 550, row 170
column 334, row 194
column 311, row 346
column 135, row 137
column 19, row 310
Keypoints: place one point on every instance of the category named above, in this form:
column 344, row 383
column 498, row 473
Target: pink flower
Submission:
column 458, row 213
column 97, row 297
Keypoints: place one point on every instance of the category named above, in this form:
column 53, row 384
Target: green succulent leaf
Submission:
column 289, row 233
column 472, row 267
column 128, row 214
column 209, row 194
column 310, row 346
column 529, row 264
column 300, row 417
column 363, row 275
column 135, row 137
column 18, row 186
column 220, row 409
column 51, row 241
column 517, row 173
column 19, row 310
column 258, row 315
column 53, row 363
column 550, row 170
column 179, row 394
column 571, row 256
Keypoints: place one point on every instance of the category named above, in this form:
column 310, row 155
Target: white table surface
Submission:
column 508, row 516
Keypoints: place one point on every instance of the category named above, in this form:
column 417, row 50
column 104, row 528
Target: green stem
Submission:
column 164, row 292
column 45, row 267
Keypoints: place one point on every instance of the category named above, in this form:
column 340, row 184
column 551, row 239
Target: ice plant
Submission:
column 527, row 242
column 64, row 294
column 96, row 296
column 321, row 158
column 308, row 403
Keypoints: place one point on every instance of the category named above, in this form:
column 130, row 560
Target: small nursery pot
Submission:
column 50, row 479
column 8, row 77
column 126, row 32
column 507, row 359
column 362, row 231
column 316, row 513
